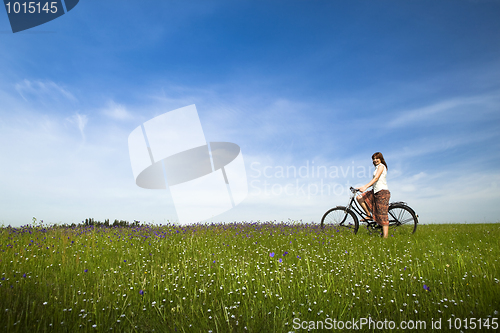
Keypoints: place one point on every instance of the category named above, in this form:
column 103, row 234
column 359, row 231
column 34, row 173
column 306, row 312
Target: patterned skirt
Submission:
column 378, row 204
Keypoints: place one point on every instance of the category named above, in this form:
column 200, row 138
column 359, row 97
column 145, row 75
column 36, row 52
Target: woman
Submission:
column 377, row 200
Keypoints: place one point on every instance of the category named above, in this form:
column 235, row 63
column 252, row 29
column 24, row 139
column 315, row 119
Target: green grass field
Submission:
column 246, row 277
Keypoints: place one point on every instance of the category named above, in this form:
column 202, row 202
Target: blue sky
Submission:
column 293, row 83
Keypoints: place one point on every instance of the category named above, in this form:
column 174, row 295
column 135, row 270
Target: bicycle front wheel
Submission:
column 402, row 220
column 340, row 219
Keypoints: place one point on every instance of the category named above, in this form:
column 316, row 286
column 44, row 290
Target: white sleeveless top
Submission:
column 381, row 183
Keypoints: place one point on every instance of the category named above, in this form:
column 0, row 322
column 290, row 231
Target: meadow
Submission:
column 247, row 277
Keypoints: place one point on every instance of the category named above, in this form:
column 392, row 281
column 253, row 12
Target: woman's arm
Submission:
column 378, row 173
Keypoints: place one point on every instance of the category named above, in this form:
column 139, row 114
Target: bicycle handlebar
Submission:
column 354, row 190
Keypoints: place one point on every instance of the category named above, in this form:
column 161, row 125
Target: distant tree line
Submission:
column 106, row 223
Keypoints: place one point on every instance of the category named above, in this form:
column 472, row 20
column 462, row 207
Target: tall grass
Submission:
column 242, row 277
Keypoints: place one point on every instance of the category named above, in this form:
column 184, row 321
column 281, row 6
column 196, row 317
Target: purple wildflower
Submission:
column 86, row 270
column 426, row 287
column 141, row 292
column 271, row 254
column 284, row 254
column 280, row 260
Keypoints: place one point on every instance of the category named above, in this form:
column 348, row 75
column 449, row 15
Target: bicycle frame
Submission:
column 359, row 211
column 356, row 208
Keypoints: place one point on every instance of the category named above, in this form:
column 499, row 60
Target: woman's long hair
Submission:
column 381, row 158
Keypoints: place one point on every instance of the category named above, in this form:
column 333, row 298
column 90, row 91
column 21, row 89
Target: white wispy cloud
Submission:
column 449, row 108
column 436, row 144
column 43, row 91
column 80, row 120
column 117, row 111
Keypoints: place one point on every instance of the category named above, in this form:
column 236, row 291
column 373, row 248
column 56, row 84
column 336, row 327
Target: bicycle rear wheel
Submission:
column 402, row 220
column 340, row 219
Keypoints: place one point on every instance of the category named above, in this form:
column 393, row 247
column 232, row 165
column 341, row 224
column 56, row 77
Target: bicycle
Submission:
column 402, row 218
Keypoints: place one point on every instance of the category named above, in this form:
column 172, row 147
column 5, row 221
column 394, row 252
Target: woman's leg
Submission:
column 361, row 200
column 381, row 210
